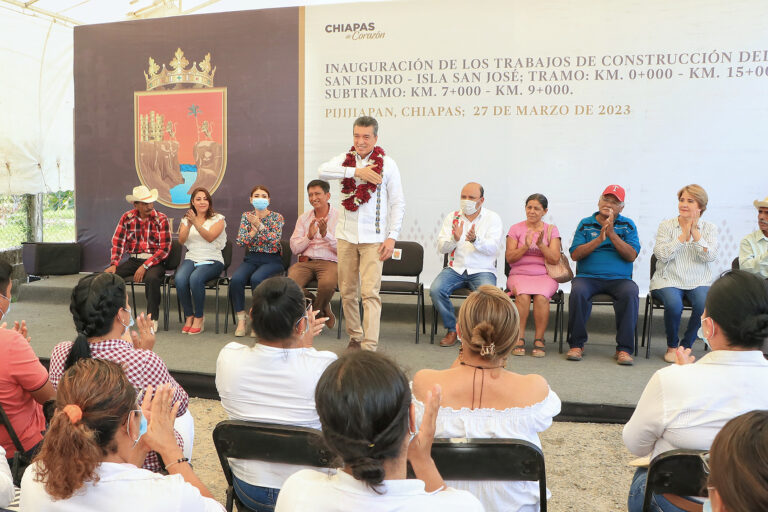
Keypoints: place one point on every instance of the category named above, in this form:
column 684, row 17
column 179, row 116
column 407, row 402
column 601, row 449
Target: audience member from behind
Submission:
column 97, row 437
column 530, row 244
column 738, row 475
column 753, row 251
column 24, row 384
column 202, row 232
column 6, row 481
column 686, row 249
column 685, row 405
column 368, row 422
column 102, row 319
column 273, row 381
column 482, row 399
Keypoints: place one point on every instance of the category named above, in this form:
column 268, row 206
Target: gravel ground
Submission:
column 586, row 462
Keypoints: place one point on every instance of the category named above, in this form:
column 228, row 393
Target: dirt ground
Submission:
column 586, row 463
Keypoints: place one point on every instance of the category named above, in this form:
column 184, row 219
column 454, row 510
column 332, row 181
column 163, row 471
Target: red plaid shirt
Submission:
column 142, row 367
column 134, row 235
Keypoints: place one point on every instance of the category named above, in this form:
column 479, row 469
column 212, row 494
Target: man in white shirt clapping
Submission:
column 753, row 251
column 470, row 237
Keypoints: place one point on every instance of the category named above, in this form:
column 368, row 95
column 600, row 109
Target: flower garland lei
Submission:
column 357, row 195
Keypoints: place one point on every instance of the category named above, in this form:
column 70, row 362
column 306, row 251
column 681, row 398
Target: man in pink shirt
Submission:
column 314, row 242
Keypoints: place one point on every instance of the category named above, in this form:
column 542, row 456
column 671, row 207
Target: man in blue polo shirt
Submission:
column 604, row 247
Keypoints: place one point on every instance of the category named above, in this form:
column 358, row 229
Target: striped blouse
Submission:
column 684, row 265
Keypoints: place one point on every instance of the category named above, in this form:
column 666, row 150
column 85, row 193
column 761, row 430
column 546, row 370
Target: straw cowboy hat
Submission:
column 761, row 204
column 142, row 194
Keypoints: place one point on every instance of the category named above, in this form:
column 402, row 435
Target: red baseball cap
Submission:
column 615, row 190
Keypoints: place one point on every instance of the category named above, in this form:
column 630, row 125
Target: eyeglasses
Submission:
column 705, row 461
column 610, row 200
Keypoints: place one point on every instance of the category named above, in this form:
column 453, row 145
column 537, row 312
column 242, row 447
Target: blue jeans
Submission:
column 260, row 499
column 637, row 495
column 672, row 298
column 626, row 304
column 448, row 281
column 190, row 278
column 255, row 268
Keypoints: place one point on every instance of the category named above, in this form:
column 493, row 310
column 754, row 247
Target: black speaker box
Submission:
column 51, row 259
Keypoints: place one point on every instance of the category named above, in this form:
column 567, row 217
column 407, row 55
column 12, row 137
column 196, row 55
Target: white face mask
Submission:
column 468, row 206
column 3, row 314
column 700, row 333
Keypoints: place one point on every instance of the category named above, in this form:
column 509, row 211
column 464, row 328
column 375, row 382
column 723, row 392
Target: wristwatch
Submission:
column 146, row 267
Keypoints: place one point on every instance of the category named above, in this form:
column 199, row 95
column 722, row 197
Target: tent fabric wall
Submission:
column 36, row 105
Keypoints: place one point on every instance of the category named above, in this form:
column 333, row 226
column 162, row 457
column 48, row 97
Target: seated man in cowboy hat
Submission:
column 753, row 251
column 145, row 235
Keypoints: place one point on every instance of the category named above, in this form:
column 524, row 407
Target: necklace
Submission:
column 356, row 195
column 482, row 380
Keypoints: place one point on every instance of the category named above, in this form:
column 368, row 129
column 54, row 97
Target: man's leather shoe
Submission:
column 623, row 358
column 449, row 340
column 331, row 317
column 354, row 345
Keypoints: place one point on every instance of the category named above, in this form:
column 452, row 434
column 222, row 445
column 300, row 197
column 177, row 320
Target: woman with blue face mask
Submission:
column 103, row 321
column 98, row 436
column 685, row 405
column 260, row 232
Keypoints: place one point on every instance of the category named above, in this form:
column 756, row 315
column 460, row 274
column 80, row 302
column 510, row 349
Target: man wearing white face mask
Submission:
column 470, row 237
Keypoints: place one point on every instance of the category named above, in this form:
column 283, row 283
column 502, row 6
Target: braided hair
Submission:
column 96, row 300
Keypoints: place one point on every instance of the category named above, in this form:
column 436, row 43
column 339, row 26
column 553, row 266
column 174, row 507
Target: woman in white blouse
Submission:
column 482, row 399
column 685, row 405
column 685, row 249
column 202, row 233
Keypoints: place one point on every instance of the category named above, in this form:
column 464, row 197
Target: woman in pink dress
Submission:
column 529, row 244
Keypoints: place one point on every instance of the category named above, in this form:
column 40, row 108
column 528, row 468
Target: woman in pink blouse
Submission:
column 529, row 244
column 260, row 232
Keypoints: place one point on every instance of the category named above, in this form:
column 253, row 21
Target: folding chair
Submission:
column 171, row 264
column 558, row 299
column 679, row 472
column 410, row 264
column 211, row 284
column 266, row 442
column 491, row 459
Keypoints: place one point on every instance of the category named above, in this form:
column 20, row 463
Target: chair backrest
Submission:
column 411, row 262
column 268, row 442
column 287, row 254
column 679, row 472
column 491, row 459
column 174, row 256
column 226, row 253
column 653, row 264
column 735, row 263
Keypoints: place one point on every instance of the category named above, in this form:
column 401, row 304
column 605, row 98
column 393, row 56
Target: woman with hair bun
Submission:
column 685, row 405
column 738, row 462
column 272, row 381
column 98, row 436
column 368, row 422
column 103, row 319
column 482, row 399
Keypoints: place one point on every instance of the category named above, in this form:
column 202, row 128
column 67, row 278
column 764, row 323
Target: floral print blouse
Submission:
column 267, row 240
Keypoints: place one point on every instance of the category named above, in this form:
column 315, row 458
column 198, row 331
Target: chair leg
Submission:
column 133, row 296
column 645, row 318
column 648, row 340
column 418, row 316
column 216, row 323
column 166, row 304
column 423, row 313
column 433, row 330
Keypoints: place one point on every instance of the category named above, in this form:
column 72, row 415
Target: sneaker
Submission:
column 624, row 359
column 575, row 354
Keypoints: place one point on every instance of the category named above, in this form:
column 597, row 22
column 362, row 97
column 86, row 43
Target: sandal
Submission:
column 539, row 350
column 519, row 349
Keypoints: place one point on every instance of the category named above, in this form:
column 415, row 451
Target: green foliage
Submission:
column 58, row 219
column 64, row 200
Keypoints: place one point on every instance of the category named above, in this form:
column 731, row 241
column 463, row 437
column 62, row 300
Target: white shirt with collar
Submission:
column 753, row 253
column 477, row 256
column 6, row 481
column 121, row 488
column 323, row 492
column 384, row 209
column 685, row 406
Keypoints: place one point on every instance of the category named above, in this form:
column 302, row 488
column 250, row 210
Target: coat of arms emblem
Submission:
column 180, row 129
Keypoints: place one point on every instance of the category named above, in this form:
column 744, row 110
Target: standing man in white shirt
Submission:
column 471, row 237
column 753, row 251
column 370, row 218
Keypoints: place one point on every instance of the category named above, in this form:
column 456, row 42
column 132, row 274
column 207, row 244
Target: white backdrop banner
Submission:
column 560, row 97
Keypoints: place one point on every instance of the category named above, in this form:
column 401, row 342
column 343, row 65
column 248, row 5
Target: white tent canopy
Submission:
column 37, row 91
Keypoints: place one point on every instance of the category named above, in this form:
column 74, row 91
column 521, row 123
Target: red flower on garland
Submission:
column 360, row 194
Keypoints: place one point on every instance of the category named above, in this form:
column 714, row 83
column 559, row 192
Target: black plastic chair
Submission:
column 266, row 442
column 558, row 299
column 491, row 459
column 410, row 264
column 171, row 263
column 285, row 258
column 735, row 263
column 212, row 284
column 652, row 303
column 678, row 472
